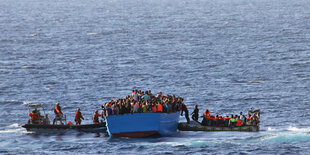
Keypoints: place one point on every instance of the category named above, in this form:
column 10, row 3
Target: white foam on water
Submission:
column 27, row 67
column 26, row 102
column 295, row 129
column 271, row 129
column 32, row 35
column 13, row 125
column 289, row 134
column 91, row 34
column 20, row 130
column 256, row 81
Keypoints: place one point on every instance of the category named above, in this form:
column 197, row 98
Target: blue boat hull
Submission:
column 142, row 124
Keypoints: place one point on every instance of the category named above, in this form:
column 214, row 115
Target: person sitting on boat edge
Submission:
column 195, row 113
column 242, row 118
column 232, row 121
column 248, row 120
column 226, row 120
column 78, row 117
column 255, row 120
column 220, row 121
column 238, row 121
column 46, row 120
column 103, row 111
column 96, row 116
column 58, row 113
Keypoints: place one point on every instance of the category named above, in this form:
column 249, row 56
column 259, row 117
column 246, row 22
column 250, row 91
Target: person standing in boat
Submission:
column 96, row 116
column 58, row 113
column 184, row 108
column 195, row 113
column 78, row 117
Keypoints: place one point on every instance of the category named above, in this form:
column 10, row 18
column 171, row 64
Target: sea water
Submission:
column 224, row 55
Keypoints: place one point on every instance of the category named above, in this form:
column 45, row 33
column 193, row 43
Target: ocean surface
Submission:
column 224, row 55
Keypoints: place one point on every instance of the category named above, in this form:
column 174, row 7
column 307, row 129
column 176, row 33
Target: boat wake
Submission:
column 13, row 128
column 289, row 134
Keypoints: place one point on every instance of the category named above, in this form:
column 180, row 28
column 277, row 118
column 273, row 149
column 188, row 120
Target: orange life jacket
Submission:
column 154, row 109
column 227, row 118
column 249, row 118
column 206, row 114
column 159, row 108
column 78, row 116
column 57, row 110
column 238, row 123
column 34, row 116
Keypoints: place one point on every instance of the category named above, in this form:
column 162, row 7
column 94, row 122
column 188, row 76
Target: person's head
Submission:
column 96, row 111
column 196, row 106
column 240, row 113
column 78, row 109
column 57, row 104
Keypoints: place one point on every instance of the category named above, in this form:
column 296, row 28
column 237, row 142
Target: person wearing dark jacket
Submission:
column 184, row 108
column 195, row 113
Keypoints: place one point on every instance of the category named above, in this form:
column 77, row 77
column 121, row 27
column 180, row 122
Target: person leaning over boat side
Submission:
column 78, row 117
column 58, row 113
column 96, row 117
column 184, row 108
column 195, row 113
column 103, row 111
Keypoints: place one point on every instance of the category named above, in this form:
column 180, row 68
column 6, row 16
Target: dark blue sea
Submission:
column 224, row 55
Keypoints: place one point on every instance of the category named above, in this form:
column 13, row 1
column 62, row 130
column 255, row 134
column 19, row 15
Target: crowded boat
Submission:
column 138, row 102
column 146, row 102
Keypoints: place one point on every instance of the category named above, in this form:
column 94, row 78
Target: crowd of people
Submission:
column 138, row 102
column 225, row 121
column 145, row 102
column 37, row 118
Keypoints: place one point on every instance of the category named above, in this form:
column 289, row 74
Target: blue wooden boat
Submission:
column 142, row 124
